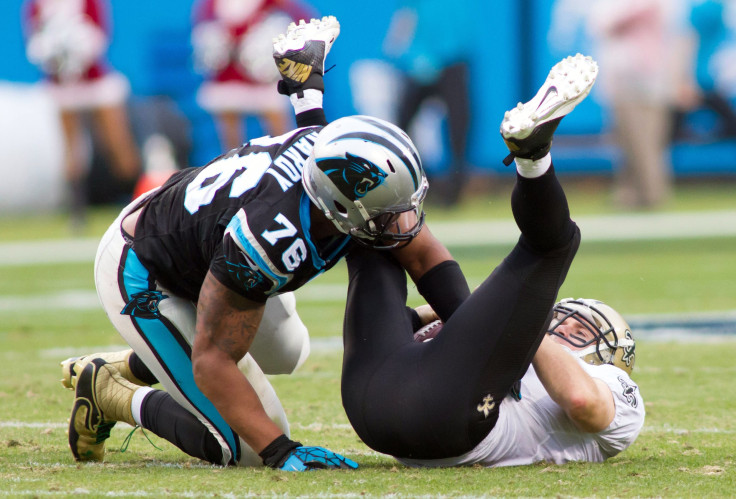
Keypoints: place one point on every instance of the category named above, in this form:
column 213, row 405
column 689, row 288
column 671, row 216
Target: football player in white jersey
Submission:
column 196, row 276
column 511, row 378
column 577, row 401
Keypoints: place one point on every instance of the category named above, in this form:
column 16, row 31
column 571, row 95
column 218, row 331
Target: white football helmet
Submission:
column 366, row 176
column 612, row 342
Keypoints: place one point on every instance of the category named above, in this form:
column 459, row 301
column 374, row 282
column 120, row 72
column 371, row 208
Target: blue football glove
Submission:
column 288, row 455
column 316, row 458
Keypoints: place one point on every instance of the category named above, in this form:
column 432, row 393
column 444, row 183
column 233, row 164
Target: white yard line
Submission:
column 624, row 227
column 711, row 326
column 463, row 233
column 345, row 426
column 48, row 251
column 632, row 226
column 73, row 299
column 81, row 491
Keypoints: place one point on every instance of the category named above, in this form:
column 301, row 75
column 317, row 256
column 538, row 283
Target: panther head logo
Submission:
column 144, row 304
column 248, row 277
column 353, row 176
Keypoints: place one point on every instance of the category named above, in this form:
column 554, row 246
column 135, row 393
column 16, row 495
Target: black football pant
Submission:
column 441, row 398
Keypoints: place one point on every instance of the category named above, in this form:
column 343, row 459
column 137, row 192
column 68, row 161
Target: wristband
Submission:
column 274, row 454
column 312, row 117
column 444, row 287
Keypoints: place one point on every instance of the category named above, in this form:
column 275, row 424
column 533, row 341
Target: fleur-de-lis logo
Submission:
column 629, row 352
column 629, row 392
column 487, row 406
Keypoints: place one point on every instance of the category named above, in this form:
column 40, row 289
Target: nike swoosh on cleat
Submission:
column 547, row 94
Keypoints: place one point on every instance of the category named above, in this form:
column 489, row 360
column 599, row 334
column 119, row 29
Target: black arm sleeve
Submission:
column 444, row 287
column 416, row 322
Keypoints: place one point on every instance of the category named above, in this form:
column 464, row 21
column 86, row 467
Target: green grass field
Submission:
column 687, row 448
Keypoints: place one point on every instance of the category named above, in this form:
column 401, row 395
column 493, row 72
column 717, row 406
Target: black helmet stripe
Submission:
column 406, row 142
column 371, row 137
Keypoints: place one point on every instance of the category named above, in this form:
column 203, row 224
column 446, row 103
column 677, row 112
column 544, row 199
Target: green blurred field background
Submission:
column 687, row 448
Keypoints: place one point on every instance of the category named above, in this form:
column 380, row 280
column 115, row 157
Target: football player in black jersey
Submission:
column 190, row 272
column 456, row 400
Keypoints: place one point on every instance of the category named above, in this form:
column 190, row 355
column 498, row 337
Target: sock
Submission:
column 313, row 117
column 160, row 414
column 541, row 212
column 312, row 100
column 137, row 403
column 530, row 168
column 140, row 370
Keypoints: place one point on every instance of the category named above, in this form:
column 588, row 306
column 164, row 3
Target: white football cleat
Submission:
column 528, row 128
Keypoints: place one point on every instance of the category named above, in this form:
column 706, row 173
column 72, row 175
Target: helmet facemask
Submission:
column 391, row 229
column 609, row 340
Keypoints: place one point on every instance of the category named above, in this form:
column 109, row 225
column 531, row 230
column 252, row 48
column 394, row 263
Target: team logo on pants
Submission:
column 144, row 305
column 487, row 405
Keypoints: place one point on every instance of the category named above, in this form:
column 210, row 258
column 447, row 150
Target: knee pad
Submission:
column 282, row 342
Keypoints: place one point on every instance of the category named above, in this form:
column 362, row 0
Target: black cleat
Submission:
column 300, row 54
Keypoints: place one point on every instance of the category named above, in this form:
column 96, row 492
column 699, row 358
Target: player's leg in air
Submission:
column 440, row 398
column 115, row 386
column 300, row 56
column 282, row 342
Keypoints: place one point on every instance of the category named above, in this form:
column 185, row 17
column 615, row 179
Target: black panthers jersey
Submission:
column 244, row 216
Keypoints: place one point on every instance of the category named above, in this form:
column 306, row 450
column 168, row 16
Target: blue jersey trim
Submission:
column 236, row 227
column 306, row 221
column 135, row 279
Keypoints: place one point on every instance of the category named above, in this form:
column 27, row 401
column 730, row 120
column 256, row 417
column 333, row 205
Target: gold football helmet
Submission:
column 612, row 341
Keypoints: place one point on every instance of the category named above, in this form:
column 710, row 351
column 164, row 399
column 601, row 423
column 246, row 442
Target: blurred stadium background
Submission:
column 509, row 56
column 670, row 271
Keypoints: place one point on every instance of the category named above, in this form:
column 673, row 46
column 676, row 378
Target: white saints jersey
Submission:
column 536, row 428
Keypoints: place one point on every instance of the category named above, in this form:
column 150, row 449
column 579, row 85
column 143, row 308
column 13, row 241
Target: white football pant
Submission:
column 164, row 342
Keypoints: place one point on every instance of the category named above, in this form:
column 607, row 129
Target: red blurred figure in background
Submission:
column 232, row 41
column 68, row 40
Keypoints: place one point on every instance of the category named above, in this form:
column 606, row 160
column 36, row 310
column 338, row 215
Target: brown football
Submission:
column 428, row 332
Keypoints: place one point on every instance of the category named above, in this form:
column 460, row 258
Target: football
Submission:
column 428, row 332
